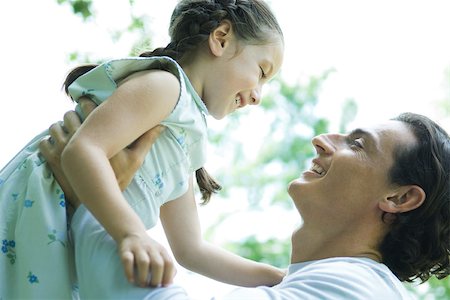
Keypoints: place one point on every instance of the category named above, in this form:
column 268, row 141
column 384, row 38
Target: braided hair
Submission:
column 193, row 20
column 190, row 25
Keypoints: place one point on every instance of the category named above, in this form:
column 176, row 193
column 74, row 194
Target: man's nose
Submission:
column 326, row 143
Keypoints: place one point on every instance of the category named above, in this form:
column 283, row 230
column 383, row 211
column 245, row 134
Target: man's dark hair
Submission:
column 418, row 244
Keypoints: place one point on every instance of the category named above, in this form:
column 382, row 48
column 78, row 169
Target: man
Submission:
column 374, row 204
column 375, row 211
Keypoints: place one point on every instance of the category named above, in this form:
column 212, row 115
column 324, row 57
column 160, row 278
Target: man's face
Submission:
column 349, row 176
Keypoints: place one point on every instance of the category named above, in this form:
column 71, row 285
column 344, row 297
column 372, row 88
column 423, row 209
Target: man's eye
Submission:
column 358, row 143
column 355, row 142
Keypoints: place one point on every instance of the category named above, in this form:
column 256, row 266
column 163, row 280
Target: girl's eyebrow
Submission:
column 269, row 64
column 270, row 69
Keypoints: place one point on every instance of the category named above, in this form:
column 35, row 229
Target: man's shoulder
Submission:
column 354, row 278
column 342, row 263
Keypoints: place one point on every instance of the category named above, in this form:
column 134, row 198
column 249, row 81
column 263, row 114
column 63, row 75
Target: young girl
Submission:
column 221, row 53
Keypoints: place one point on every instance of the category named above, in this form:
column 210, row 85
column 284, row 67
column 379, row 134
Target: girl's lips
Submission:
column 240, row 101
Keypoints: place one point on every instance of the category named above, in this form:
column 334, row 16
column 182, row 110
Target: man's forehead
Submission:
column 388, row 134
column 395, row 132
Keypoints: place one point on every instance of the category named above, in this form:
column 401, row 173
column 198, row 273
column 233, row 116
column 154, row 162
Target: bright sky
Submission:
column 390, row 56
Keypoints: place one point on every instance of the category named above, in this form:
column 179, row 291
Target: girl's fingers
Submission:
column 152, row 267
column 142, row 264
column 169, row 270
column 128, row 265
column 157, row 269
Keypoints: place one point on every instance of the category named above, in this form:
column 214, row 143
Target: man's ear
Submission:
column 406, row 198
column 220, row 38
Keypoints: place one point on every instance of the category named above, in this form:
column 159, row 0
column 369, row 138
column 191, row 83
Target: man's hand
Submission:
column 125, row 163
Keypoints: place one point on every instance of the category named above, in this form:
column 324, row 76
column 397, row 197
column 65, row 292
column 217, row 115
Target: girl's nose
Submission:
column 255, row 96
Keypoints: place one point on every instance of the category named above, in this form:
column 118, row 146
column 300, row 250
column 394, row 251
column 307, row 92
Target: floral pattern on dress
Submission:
column 56, row 237
column 14, row 196
column 39, row 161
column 23, row 165
column 87, row 92
column 8, row 248
column 28, row 203
column 28, row 189
column 181, row 138
column 32, row 278
column 61, row 198
column 158, row 183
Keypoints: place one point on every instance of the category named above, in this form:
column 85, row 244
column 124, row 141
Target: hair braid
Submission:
column 191, row 23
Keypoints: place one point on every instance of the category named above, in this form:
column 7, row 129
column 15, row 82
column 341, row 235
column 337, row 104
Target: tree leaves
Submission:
column 82, row 8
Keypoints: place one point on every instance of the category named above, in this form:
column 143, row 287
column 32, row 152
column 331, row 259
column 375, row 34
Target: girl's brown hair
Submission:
column 190, row 25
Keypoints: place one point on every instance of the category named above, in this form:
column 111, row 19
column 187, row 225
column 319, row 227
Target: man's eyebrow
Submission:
column 361, row 132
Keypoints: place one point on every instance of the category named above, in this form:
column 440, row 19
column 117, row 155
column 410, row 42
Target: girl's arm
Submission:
column 181, row 225
column 125, row 163
column 141, row 102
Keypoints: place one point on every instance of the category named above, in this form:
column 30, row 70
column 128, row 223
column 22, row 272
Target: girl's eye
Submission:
column 263, row 74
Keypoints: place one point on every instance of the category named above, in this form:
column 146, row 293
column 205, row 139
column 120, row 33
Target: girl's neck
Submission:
column 196, row 68
column 194, row 79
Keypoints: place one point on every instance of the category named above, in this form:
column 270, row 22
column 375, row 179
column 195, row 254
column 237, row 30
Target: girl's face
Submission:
column 235, row 79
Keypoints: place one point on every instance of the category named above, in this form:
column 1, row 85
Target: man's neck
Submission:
column 309, row 244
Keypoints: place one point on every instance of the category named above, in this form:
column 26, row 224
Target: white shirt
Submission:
column 333, row 278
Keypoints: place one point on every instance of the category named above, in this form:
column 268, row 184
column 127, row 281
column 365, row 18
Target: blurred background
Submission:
column 347, row 63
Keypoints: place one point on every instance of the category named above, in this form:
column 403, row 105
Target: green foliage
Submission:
column 272, row 251
column 138, row 28
column 349, row 112
column 433, row 289
column 81, row 8
column 289, row 119
column 444, row 104
column 80, row 57
column 440, row 288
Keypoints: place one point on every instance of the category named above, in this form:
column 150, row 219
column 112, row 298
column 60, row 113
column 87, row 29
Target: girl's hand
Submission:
column 145, row 261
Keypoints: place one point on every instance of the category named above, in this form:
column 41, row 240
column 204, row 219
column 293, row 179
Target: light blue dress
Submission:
column 37, row 258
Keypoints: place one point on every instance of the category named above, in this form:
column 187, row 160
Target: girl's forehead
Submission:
column 270, row 49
